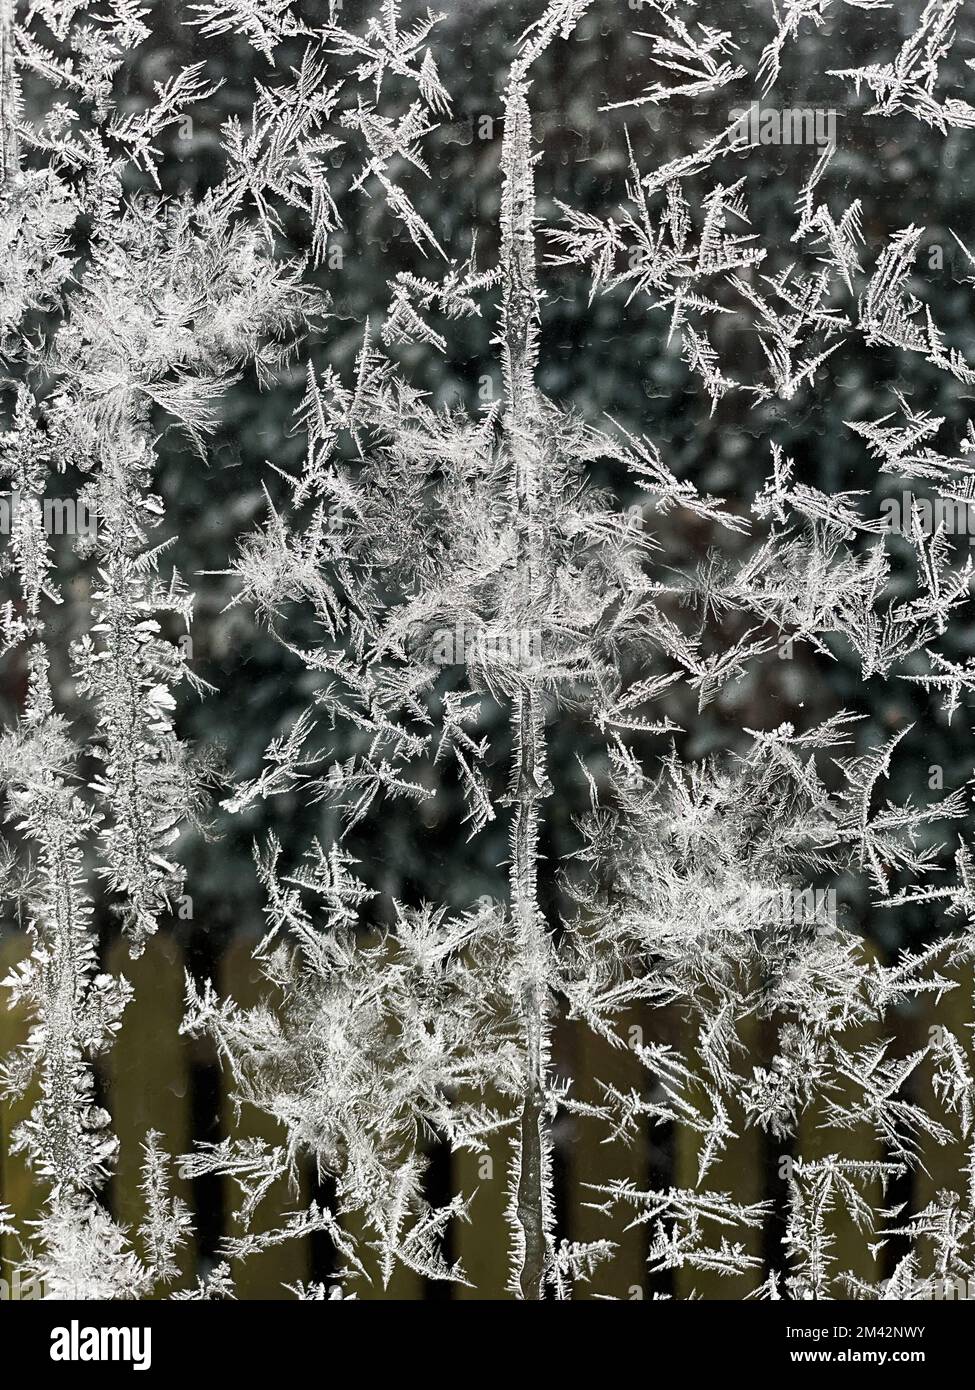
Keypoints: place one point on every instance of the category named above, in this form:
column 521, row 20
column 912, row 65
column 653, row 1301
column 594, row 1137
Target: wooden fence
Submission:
column 155, row 1079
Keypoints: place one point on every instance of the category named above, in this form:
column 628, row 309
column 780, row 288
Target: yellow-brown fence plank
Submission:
column 18, row 1187
column 739, row 1171
column 262, row 1276
column 404, row 1285
column 850, row 1252
column 592, row 1164
column 481, row 1244
column 147, row 1073
column 942, row 1166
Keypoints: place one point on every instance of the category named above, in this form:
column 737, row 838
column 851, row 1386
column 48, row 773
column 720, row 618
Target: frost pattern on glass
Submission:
column 412, row 525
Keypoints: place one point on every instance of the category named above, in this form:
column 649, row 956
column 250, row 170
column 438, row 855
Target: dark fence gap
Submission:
column 322, row 1250
column 439, row 1189
column 661, row 1150
column 209, row 1214
column 778, row 1154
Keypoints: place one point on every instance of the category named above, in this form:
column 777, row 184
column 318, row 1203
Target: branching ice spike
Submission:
column 530, row 1208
